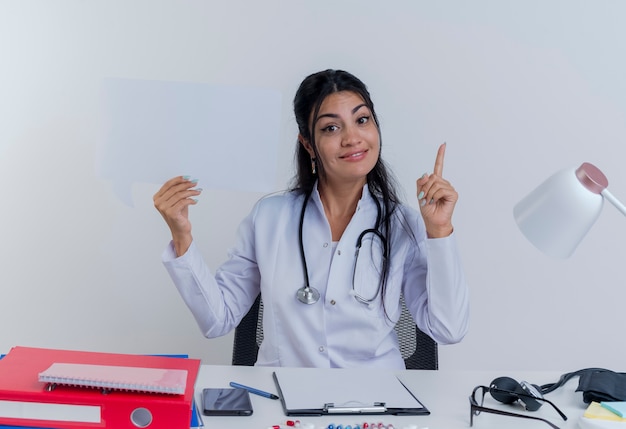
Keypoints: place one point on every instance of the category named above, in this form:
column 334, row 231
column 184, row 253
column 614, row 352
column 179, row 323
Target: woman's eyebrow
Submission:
column 356, row 109
column 334, row 115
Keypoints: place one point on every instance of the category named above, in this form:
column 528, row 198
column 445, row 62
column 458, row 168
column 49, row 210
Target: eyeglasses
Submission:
column 477, row 407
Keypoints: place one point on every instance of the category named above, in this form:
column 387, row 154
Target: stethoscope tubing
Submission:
column 308, row 294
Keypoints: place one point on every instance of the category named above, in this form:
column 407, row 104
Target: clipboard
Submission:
column 325, row 391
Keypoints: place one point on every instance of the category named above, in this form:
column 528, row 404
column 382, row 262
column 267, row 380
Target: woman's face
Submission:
column 347, row 138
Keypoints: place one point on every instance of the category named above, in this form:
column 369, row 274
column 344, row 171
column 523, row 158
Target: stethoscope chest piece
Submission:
column 308, row 295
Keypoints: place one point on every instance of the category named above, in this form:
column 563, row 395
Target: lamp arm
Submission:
column 610, row 198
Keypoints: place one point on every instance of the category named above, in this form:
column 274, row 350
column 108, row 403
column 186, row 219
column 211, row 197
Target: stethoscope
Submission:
column 307, row 294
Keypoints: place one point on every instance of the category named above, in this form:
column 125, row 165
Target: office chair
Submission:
column 418, row 349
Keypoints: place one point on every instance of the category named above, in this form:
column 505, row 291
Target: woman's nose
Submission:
column 351, row 136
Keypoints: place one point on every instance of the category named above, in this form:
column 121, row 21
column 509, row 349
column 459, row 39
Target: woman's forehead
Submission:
column 335, row 99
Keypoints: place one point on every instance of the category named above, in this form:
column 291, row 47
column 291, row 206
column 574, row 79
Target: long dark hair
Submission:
column 382, row 185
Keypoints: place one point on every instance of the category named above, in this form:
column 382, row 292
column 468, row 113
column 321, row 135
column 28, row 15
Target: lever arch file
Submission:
column 27, row 401
column 322, row 391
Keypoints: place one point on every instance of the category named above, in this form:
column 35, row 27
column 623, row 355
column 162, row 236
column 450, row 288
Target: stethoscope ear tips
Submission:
column 369, row 304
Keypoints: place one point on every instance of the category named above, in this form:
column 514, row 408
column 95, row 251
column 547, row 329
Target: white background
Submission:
column 518, row 90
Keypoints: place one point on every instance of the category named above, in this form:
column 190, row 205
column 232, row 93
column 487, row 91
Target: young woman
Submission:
column 332, row 255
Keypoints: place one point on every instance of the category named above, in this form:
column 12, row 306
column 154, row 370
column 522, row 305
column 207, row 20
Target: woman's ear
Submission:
column 307, row 145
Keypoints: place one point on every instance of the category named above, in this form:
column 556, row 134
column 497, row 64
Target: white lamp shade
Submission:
column 557, row 215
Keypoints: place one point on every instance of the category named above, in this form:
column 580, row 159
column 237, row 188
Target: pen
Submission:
column 253, row 390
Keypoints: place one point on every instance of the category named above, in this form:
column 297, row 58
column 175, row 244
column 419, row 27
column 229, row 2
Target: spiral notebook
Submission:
column 110, row 377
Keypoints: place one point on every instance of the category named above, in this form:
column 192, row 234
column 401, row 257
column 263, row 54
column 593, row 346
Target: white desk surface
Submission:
column 444, row 393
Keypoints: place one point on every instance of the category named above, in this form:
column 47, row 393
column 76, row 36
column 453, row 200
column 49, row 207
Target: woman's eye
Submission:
column 330, row 128
column 363, row 120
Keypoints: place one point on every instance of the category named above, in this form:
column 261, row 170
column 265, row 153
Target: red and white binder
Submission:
column 27, row 401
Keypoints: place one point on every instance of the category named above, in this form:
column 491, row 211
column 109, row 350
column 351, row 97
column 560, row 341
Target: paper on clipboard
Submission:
column 317, row 391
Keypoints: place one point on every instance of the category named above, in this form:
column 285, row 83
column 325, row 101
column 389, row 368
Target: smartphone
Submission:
column 226, row 402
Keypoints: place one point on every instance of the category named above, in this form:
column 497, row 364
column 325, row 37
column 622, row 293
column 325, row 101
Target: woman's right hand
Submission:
column 173, row 201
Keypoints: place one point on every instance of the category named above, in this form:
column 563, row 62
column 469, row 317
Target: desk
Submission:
column 444, row 393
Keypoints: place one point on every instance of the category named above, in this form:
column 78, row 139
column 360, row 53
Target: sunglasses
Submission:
column 476, row 407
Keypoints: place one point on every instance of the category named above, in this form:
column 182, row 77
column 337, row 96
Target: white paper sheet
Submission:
column 227, row 137
column 312, row 388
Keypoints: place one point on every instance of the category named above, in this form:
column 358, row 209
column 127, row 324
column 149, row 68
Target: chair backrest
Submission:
column 419, row 351
column 249, row 335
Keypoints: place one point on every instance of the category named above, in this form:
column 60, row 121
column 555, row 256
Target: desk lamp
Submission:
column 556, row 216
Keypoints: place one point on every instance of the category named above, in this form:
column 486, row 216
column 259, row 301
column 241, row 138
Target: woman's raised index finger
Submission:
column 439, row 161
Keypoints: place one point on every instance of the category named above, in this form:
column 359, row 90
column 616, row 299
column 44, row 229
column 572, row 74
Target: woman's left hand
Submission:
column 437, row 198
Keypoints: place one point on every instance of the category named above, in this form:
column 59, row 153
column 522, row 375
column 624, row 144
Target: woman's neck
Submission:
column 339, row 205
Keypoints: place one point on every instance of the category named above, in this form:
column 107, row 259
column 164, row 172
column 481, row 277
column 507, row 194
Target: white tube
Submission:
column 610, row 198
